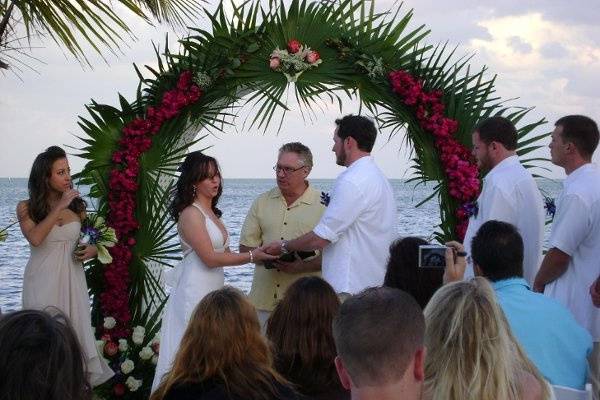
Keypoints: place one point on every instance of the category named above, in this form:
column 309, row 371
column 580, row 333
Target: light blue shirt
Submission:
column 551, row 337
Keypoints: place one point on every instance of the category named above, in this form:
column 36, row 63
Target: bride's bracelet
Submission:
column 251, row 257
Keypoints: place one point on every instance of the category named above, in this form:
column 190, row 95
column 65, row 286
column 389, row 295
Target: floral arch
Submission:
column 327, row 49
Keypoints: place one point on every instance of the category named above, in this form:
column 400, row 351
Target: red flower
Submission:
column 122, row 181
column 460, row 169
column 111, row 348
column 293, row 46
column 119, row 389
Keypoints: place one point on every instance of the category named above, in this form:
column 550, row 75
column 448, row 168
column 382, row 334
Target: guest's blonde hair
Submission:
column 471, row 352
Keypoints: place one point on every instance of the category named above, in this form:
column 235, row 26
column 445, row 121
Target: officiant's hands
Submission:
column 291, row 267
column 456, row 262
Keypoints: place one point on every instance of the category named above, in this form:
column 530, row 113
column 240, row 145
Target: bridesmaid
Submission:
column 51, row 220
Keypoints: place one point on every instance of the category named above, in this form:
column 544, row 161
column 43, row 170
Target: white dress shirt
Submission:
column 510, row 194
column 360, row 223
column 576, row 231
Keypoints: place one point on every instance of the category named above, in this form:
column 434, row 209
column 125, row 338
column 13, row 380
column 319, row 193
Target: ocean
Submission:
column 235, row 201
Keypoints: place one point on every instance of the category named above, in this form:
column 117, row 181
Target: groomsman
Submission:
column 284, row 212
column 509, row 192
column 358, row 225
column 572, row 264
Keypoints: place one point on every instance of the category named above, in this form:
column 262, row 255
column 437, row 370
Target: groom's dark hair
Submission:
column 360, row 128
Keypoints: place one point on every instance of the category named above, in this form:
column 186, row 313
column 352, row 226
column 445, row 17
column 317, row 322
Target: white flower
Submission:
column 127, row 366
column 146, row 353
column 133, row 384
column 84, row 239
column 155, row 360
column 100, row 346
column 202, row 80
column 138, row 334
column 123, row 346
column 109, row 323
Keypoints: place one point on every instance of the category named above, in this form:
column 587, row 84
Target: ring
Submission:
column 461, row 254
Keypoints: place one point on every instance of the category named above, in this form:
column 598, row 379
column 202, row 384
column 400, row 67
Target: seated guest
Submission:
column 223, row 355
column 300, row 330
column 40, row 358
column 378, row 334
column 471, row 353
column 403, row 272
column 548, row 332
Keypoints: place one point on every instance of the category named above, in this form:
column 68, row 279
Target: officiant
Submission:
column 287, row 211
column 358, row 226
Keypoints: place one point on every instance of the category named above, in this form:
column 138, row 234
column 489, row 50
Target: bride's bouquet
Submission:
column 94, row 231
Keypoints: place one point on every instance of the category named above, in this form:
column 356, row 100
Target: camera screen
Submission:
column 432, row 256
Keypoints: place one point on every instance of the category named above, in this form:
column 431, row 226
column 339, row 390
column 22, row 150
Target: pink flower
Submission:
column 312, row 57
column 293, row 46
column 274, row 63
column 111, row 348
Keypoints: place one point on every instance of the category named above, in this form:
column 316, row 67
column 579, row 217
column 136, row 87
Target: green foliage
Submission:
column 358, row 48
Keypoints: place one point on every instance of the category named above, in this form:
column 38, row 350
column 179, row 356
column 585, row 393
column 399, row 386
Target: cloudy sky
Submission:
column 546, row 53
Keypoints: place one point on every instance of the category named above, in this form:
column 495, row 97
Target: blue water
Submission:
column 237, row 197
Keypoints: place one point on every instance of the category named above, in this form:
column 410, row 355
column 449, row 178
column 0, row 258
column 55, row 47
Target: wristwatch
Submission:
column 284, row 249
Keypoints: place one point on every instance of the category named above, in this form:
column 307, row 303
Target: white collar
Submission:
column 504, row 164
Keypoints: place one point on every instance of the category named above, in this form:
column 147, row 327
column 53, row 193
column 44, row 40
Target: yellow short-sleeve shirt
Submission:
column 270, row 219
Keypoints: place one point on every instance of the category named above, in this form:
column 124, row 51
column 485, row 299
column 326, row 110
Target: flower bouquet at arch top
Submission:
column 294, row 60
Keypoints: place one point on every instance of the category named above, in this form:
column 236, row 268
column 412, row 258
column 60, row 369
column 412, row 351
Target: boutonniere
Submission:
column 471, row 209
column 550, row 207
column 325, row 198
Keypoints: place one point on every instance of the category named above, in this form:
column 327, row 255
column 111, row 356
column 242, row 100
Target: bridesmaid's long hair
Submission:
column 40, row 357
column 39, row 185
column 195, row 168
column 223, row 344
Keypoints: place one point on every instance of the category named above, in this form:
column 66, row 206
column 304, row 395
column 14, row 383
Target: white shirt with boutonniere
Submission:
column 360, row 222
column 511, row 195
column 576, row 232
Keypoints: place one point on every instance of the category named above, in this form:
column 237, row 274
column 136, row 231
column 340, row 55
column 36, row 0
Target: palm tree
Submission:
column 70, row 23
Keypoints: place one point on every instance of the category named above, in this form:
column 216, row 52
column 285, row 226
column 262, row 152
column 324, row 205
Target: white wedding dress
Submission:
column 190, row 281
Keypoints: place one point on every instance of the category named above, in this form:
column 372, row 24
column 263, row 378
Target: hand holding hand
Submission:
column 86, row 252
column 456, row 262
column 273, row 248
column 291, row 267
column 66, row 199
column 259, row 254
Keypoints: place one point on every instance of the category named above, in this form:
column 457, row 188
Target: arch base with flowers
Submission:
column 327, row 50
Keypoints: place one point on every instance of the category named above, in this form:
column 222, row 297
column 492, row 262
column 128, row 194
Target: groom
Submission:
column 358, row 225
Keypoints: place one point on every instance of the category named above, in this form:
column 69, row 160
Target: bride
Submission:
column 205, row 244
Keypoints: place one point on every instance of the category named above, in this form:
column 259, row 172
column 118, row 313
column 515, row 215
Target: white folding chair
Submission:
column 567, row 393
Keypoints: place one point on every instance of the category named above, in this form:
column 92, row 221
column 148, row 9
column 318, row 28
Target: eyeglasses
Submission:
column 285, row 170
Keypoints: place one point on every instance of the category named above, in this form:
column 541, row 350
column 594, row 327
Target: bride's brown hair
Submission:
column 223, row 343
column 195, row 168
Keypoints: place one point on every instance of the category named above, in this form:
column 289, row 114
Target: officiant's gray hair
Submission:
column 303, row 152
